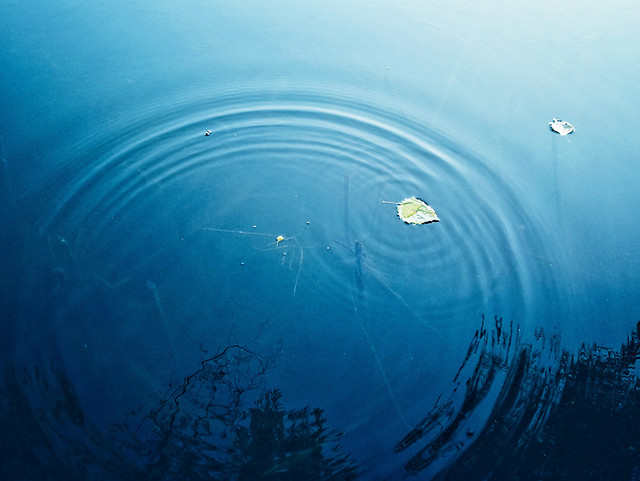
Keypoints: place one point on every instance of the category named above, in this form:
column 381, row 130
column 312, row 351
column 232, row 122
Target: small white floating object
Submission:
column 207, row 133
column 561, row 127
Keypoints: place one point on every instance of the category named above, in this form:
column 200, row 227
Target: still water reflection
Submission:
column 525, row 410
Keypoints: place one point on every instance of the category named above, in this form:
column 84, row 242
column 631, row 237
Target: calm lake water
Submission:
column 156, row 326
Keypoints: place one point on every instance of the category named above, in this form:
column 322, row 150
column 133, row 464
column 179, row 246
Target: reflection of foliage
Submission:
column 533, row 411
column 448, row 428
column 206, row 427
column 188, row 430
column 518, row 410
column 286, row 446
column 221, row 423
column 190, row 423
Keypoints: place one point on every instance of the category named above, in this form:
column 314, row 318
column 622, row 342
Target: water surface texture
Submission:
column 244, row 305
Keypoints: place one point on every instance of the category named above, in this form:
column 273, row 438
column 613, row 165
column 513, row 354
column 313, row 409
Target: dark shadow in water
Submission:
column 533, row 411
column 518, row 409
column 222, row 422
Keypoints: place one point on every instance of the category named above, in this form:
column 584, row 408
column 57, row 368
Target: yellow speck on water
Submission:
column 279, row 239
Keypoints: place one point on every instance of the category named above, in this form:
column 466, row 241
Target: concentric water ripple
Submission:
column 164, row 244
column 279, row 163
column 187, row 225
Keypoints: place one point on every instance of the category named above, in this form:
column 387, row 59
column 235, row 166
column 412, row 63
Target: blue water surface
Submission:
column 150, row 311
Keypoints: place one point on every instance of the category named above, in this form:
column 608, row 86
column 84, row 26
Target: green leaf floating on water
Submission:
column 415, row 211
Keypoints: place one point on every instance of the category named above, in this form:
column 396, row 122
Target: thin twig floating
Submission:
column 278, row 239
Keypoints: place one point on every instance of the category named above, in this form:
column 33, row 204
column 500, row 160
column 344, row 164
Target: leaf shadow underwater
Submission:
column 367, row 281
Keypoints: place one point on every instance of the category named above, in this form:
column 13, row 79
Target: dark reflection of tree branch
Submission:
column 222, row 422
column 533, row 411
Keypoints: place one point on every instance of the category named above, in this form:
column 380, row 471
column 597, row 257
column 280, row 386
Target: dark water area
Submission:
column 247, row 304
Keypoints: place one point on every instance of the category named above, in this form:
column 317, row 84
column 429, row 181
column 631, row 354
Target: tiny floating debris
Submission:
column 415, row 211
column 561, row 127
column 207, row 133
